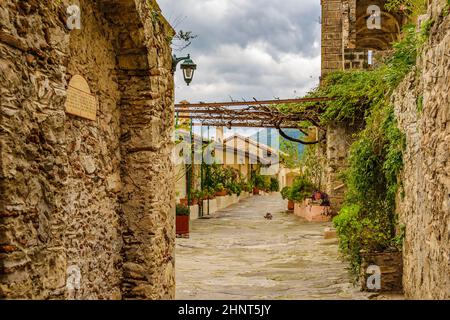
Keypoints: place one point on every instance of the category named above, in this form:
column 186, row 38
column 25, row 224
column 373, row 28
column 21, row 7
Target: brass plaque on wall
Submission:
column 80, row 102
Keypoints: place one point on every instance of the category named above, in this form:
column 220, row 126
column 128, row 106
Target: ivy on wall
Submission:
column 368, row 220
column 362, row 98
column 409, row 7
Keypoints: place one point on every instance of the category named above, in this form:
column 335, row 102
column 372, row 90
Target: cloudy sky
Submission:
column 247, row 48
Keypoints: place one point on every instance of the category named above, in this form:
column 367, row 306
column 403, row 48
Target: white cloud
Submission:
column 249, row 48
column 249, row 72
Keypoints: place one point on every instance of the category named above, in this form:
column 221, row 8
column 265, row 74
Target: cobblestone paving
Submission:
column 237, row 254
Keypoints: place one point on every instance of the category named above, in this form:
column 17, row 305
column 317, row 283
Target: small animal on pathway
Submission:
column 268, row 216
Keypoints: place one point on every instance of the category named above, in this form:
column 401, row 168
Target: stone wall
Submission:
column 422, row 106
column 339, row 140
column 86, row 200
column 423, row 109
column 390, row 264
column 346, row 40
column 345, row 33
column 331, row 36
column 355, row 59
column 375, row 38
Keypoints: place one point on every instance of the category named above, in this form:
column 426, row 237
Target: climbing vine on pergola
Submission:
column 257, row 114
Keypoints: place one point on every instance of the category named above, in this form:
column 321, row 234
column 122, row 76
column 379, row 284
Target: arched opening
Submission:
column 384, row 36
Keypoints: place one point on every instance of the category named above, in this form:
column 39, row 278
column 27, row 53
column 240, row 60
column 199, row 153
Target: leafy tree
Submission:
column 290, row 154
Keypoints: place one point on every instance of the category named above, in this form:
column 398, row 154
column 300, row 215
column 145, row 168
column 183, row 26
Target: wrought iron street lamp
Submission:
column 188, row 67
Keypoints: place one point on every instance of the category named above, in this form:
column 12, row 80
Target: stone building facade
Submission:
column 353, row 28
column 422, row 107
column 86, row 206
column 348, row 40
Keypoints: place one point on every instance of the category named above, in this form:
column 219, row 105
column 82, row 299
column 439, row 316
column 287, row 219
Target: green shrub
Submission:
column 274, row 185
column 301, row 189
column 258, row 181
column 358, row 232
column 404, row 56
column 234, row 188
column 348, row 227
column 182, row 210
column 197, row 195
column 249, row 186
column 285, row 192
column 312, row 164
column 266, row 180
column 368, row 220
column 410, row 7
column 362, row 99
column 357, row 92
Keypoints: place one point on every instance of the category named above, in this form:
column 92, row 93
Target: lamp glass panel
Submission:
column 188, row 73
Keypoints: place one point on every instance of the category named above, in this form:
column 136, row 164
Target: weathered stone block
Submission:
column 68, row 198
column 390, row 264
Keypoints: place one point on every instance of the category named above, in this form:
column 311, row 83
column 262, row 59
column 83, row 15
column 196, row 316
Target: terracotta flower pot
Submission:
column 221, row 193
column 291, row 205
column 182, row 224
column 185, row 202
column 255, row 191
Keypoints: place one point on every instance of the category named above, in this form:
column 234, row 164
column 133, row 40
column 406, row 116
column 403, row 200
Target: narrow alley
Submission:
column 237, row 254
column 197, row 150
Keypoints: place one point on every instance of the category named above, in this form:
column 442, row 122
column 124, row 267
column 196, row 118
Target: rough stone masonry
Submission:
column 346, row 41
column 422, row 107
column 86, row 206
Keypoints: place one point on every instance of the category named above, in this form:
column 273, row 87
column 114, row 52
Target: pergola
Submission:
column 257, row 114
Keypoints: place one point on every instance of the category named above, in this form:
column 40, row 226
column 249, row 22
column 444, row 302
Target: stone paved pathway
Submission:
column 239, row 255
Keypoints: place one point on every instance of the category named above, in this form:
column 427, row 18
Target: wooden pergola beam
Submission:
column 252, row 103
column 255, row 114
column 227, row 118
column 218, row 111
column 245, row 125
column 239, row 118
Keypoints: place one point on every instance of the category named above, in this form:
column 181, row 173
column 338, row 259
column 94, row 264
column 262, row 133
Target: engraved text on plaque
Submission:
column 80, row 102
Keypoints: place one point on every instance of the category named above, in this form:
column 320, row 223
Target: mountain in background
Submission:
column 273, row 133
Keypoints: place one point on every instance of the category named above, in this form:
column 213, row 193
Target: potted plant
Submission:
column 266, row 187
column 209, row 194
column 182, row 220
column 301, row 189
column 220, row 190
column 321, row 197
column 234, row 188
column 258, row 184
column 197, row 197
column 249, row 186
column 317, row 195
column 193, row 199
column 274, row 185
column 285, row 194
